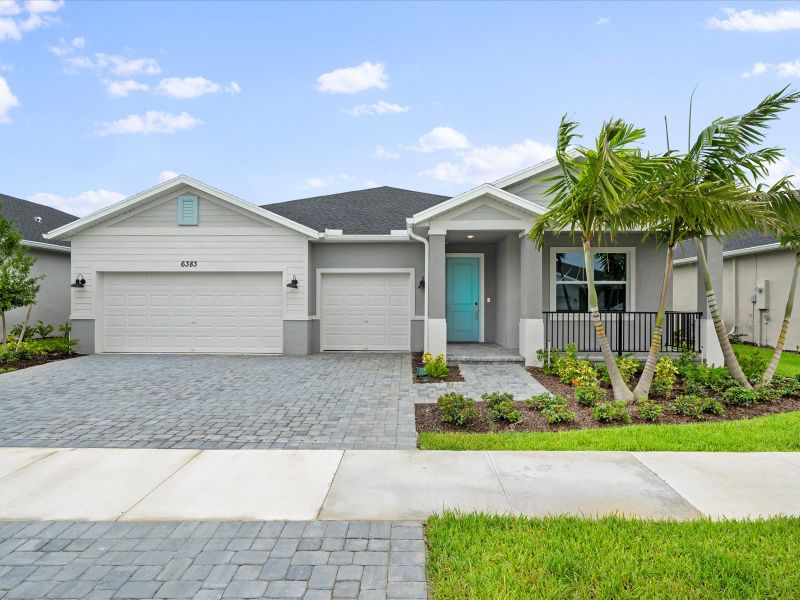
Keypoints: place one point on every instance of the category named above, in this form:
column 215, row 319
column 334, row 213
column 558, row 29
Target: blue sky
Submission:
column 273, row 101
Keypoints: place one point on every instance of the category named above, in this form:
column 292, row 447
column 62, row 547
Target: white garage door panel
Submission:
column 193, row 312
column 365, row 311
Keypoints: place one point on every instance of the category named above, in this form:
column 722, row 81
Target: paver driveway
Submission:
column 339, row 401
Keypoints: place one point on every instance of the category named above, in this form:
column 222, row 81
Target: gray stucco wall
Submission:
column 650, row 260
column 490, row 289
column 392, row 255
column 83, row 331
column 297, row 337
column 508, row 282
column 52, row 304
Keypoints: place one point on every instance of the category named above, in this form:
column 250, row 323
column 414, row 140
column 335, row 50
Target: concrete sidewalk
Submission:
column 146, row 484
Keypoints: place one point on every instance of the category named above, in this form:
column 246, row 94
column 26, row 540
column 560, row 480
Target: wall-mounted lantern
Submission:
column 79, row 281
column 421, row 285
column 293, row 283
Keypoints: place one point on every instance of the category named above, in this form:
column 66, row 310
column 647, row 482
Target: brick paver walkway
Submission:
column 332, row 401
column 313, row 560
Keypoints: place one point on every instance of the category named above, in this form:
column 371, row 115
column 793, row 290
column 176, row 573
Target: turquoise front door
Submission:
column 463, row 299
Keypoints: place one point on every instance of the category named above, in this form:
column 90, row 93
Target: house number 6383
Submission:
column 188, row 263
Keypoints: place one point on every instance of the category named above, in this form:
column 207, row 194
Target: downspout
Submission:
column 419, row 238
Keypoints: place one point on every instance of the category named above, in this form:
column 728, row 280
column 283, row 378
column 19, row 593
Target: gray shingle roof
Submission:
column 24, row 215
column 373, row 211
column 748, row 239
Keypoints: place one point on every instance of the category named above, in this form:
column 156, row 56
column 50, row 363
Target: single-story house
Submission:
column 756, row 276
column 33, row 220
column 185, row 267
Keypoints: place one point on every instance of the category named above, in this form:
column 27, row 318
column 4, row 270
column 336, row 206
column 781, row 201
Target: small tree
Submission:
column 591, row 198
column 18, row 288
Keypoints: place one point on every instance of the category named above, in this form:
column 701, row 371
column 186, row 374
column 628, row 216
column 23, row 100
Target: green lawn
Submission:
column 790, row 361
column 774, row 433
column 506, row 558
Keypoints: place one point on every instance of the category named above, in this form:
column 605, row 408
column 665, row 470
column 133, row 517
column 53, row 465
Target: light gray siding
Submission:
column 52, row 304
column 533, row 188
column 508, row 301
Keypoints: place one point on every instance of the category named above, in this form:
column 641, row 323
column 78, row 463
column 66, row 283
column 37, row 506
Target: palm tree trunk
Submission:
column 787, row 316
column 646, row 380
column 25, row 325
column 621, row 391
column 719, row 325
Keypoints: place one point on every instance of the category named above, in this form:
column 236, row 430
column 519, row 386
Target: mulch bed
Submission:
column 428, row 418
column 35, row 361
column 416, row 361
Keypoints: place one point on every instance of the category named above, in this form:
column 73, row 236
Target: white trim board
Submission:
column 46, row 246
column 482, row 190
column 630, row 283
column 776, row 246
column 480, row 257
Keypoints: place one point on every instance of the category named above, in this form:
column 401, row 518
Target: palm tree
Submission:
column 724, row 152
column 590, row 198
column 785, row 204
column 676, row 208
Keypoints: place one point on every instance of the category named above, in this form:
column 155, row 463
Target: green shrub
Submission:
column 696, row 407
column 549, row 364
column 589, row 395
column 628, row 368
column 545, row 400
column 768, row 393
column 42, row 329
column 686, row 362
column 65, row 329
column 558, row 413
column 15, row 332
column 753, row 364
column 789, row 387
column 437, row 367
column 501, row 408
column 649, row 410
column 718, row 378
column 664, row 378
column 616, row 410
column 739, row 396
column 7, row 370
column 456, row 408
column 495, row 398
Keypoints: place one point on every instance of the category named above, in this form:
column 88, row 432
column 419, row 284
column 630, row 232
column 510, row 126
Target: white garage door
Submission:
column 193, row 312
column 365, row 311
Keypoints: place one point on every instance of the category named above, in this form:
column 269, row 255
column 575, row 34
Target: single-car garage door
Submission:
column 193, row 312
column 365, row 311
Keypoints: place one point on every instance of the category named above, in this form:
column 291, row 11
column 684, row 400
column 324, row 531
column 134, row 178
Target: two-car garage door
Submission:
column 365, row 311
column 193, row 312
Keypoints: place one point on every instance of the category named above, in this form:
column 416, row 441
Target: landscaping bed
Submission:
column 35, row 352
column 453, row 375
column 612, row 558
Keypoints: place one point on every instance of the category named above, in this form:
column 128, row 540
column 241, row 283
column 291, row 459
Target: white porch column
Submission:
column 437, row 320
column 712, row 352
column 531, row 322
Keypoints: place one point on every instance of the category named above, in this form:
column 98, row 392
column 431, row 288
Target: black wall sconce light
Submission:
column 293, row 283
column 79, row 281
column 421, row 285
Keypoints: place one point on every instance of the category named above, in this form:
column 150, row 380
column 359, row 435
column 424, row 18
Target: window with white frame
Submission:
column 611, row 278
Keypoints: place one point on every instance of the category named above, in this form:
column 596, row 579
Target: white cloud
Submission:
column 7, row 101
column 480, row 165
column 184, row 88
column 167, row 175
column 783, row 70
column 16, row 19
column 350, row 80
column 151, row 122
column 381, row 152
column 64, row 47
column 80, row 205
column 784, row 167
column 441, row 138
column 122, row 88
column 751, row 20
column 112, row 63
column 602, row 21
column 378, row 108
column 321, row 182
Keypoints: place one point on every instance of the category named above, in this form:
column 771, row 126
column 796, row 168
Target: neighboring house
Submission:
column 185, row 267
column 757, row 273
column 33, row 221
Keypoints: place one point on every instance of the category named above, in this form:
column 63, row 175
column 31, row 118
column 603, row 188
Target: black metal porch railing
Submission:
column 626, row 331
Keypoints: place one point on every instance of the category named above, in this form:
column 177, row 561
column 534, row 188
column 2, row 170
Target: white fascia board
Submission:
column 367, row 238
column 46, row 246
column 487, row 189
column 123, row 205
column 733, row 253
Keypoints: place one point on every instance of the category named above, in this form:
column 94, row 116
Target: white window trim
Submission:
column 479, row 256
column 630, row 284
